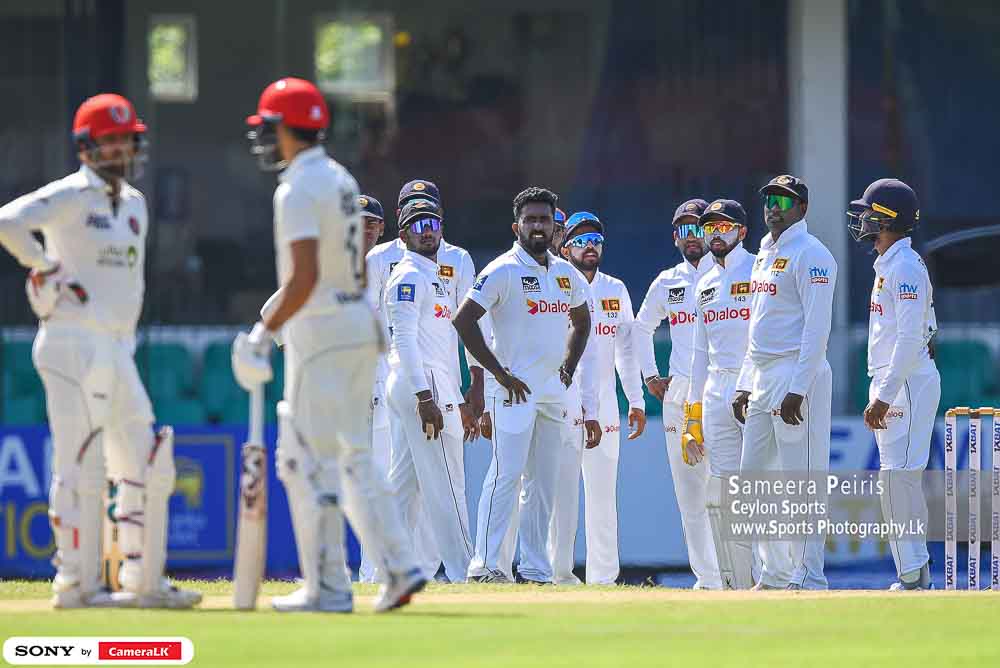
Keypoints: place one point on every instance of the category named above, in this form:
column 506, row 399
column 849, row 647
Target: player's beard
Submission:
column 729, row 239
column 535, row 245
column 692, row 255
column 588, row 261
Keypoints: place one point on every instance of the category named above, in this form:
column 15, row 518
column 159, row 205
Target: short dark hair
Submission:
column 309, row 136
column 534, row 194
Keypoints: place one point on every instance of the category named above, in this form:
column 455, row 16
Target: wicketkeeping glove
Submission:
column 692, row 429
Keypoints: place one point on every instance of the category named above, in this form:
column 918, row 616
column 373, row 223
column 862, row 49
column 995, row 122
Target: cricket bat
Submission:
column 251, row 531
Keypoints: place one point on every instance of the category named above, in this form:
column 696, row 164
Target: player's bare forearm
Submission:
column 295, row 293
column 579, row 331
column 466, row 323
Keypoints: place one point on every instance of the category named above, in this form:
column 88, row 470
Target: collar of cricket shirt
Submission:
column 93, row 178
column 884, row 259
column 787, row 237
column 422, row 262
column 526, row 258
column 302, row 158
column 736, row 257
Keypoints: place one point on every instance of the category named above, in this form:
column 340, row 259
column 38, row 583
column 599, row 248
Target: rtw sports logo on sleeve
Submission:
column 819, row 275
column 478, row 285
column 907, row 291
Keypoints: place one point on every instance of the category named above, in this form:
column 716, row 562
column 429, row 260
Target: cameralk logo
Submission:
column 115, row 651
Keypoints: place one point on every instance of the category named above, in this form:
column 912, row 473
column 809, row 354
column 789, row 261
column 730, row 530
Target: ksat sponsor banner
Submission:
column 83, row 651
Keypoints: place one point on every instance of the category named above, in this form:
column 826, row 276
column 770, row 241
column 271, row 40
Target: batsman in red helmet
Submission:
column 331, row 344
column 86, row 286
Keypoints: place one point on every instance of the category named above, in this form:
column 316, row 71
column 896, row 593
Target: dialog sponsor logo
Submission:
column 730, row 313
column 764, row 286
column 875, row 307
column 442, row 311
column 604, row 329
column 545, row 306
column 682, row 318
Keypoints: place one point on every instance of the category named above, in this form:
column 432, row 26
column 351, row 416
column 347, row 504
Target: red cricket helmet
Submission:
column 295, row 102
column 106, row 114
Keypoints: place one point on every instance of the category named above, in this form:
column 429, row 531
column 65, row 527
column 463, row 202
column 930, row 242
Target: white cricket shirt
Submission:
column 103, row 249
column 612, row 319
column 723, row 319
column 424, row 344
column 901, row 318
column 670, row 297
column 529, row 307
column 791, row 305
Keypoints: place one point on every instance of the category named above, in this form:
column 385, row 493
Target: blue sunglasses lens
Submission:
column 421, row 225
column 683, row 231
column 590, row 238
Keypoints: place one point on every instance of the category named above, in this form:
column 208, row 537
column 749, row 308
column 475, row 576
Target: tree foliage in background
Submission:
column 168, row 54
column 348, row 51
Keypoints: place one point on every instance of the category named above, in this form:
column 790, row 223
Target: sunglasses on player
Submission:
column 421, row 225
column 689, row 229
column 783, row 202
column 713, row 227
column 594, row 239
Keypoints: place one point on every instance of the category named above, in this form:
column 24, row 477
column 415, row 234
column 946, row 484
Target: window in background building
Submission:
column 173, row 58
column 354, row 56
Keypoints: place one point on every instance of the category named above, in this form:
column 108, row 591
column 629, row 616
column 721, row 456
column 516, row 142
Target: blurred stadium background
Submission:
column 624, row 108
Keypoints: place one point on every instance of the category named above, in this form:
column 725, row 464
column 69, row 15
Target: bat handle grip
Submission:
column 256, row 415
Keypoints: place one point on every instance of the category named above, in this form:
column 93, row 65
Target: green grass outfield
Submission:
column 521, row 626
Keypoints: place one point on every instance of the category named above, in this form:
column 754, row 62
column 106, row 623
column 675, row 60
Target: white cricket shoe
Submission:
column 400, row 588
column 168, row 596
column 74, row 597
column 327, row 600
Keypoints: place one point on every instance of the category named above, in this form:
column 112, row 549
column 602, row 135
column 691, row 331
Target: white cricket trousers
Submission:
column 324, row 456
column 690, row 488
column 423, row 541
column 770, row 445
column 903, row 450
column 96, row 406
column 430, row 474
column 724, row 448
column 526, row 438
column 600, row 490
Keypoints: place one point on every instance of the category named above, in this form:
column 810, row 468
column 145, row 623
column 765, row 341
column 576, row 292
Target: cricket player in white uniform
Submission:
column 86, row 286
column 456, row 273
column 331, row 344
column 905, row 387
column 612, row 318
column 785, row 390
column 531, row 295
column 671, row 297
column 428, row 414
column 722, row 325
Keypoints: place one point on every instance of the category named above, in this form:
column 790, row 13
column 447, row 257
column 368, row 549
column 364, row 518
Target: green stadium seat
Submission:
column 166, row 370
column 276, row 388
column 18, row 371
column 176, row 411
column 217, row 386
column 967, row 374
column 23, row 411
column 236, row 410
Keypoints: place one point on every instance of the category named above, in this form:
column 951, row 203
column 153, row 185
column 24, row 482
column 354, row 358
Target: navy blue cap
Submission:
column 579, row 218
column 419, row 189
column 786, row 184
column 371, row 207
column 726, row 209
column 693, row 207
column 418, row 208
column 893, row 199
